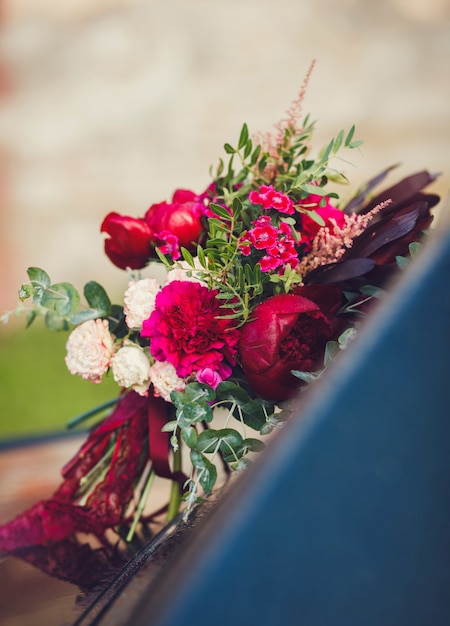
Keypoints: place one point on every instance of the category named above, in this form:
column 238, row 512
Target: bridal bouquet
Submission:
column 268, row 273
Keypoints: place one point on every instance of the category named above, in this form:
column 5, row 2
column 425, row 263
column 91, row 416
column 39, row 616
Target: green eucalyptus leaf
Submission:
column 97, row 298
column 189, row 435
column 38, row 277
column 249, row 410
column 54, row 321
column 193, row 412
column 83, row 316
column 170, row 427
column 208, row 440
column 207, row 472
column 226, row 440
column 253, row 445
column 229, row 149
column 62, row 298
column 40, row 280
column 226, row 390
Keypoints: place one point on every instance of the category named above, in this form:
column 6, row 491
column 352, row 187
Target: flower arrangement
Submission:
column 268, row 276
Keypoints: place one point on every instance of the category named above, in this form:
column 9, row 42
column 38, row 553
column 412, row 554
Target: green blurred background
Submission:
column 38, row 394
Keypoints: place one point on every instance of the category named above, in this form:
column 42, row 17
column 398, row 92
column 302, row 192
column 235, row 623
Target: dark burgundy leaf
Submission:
column 339, row 272
column 402, row 191
column 353, row 205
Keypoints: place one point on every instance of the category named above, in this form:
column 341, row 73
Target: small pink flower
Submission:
column 263, row 237
column 269, row 198
column 207, row 376
column 169, row 245
column 278, row 243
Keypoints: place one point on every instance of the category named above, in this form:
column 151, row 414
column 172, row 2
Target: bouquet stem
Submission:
column 175, row 490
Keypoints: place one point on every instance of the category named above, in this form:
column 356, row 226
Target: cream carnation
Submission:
column 89, row 350
column 165, row 379
column 139, row 301
column 131, row 368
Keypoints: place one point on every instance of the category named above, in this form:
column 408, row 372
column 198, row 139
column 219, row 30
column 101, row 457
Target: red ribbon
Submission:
column 159, row 441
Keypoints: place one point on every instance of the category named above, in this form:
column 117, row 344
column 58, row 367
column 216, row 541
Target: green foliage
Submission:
column 239, row 279
column 194, row 409
column 60, row 303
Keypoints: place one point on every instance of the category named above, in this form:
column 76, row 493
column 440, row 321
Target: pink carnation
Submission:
column 185, row 329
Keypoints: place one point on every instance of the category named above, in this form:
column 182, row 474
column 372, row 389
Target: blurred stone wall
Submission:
column 109, row 105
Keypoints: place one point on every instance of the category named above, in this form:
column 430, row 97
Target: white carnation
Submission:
column 89, row 350
column 131, row 369
column 164, row 378
column 139, row 301
column 180, row 272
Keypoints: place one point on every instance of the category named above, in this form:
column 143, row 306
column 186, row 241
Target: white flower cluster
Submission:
column 91, row 350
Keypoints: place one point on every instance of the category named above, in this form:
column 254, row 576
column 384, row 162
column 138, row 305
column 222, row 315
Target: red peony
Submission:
column 185, row 329
column 129, row 241
column 181, row 218
column 287, row 332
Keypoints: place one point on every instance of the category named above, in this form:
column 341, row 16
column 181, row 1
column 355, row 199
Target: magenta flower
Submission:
column 168, row 245
column 268, row 198
column 187, row 330
column 277, row 243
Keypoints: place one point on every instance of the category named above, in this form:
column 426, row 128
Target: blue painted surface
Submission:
column 345, row 519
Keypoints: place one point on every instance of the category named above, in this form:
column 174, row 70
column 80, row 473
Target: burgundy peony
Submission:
column 129, row 241
column 186, row 330
column 287, row 332
column 181, row 218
